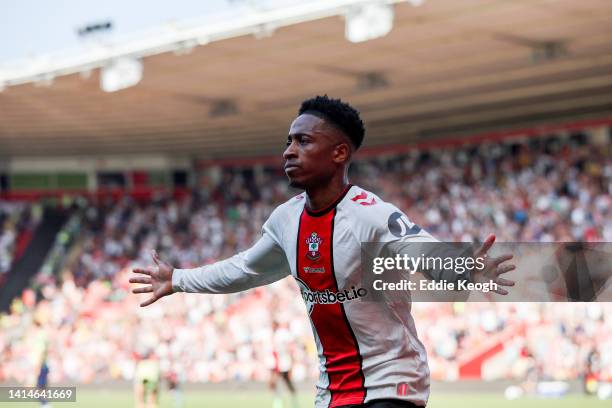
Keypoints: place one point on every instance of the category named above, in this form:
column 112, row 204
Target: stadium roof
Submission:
column 447, row 68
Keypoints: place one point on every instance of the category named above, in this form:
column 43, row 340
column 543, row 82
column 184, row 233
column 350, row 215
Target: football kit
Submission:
column 368, row 350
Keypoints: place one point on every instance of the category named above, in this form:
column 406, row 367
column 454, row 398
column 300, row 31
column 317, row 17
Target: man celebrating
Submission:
column 369, row 353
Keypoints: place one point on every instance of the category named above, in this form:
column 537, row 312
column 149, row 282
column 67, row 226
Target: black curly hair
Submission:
column 337, row 113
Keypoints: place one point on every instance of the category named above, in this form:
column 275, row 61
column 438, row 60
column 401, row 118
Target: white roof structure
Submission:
column 231, row 87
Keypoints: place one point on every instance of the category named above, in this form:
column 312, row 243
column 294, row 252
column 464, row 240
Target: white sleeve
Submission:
column 263, row 263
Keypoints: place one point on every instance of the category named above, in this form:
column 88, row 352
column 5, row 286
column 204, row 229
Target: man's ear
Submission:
column 342, row 153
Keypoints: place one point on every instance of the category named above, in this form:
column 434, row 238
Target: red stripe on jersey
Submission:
column 340, row 348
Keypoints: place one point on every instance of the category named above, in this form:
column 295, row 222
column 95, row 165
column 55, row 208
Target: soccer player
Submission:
column 592, row 372
column 282, row 361
column 369, row 351
column 146, row 381
column 40, row 354
column 173, row 377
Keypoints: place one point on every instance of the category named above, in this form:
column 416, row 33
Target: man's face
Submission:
column 312, row 153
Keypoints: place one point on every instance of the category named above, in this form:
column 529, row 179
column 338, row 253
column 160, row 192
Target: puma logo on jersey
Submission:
column 362, row 199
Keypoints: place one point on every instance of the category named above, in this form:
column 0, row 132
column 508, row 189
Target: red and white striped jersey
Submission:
column 367, row 350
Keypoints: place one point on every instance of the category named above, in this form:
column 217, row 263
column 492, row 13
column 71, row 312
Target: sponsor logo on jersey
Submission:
column 400, row 226
column 310, row 269
column 313, row 242
column 327, row 297
column 363, row 199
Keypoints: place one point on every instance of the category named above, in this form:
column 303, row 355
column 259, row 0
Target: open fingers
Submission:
column 502, row 258
column 155, row 257
column 504, row 268
column 144, row 271
column 141, row 279
column 504, row 282
column 501, row 291
column 144, row 289
column 148, row 301
column 486, row 245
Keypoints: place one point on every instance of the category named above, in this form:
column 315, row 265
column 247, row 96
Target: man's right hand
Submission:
column 158, row 280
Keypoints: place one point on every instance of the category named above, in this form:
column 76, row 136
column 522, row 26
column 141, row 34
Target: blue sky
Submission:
column 30, row 27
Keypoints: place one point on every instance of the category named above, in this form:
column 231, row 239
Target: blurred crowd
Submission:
column 555, row 188
column 531, row 190
column 99, row 332
column 543, row 341
column 17, row 222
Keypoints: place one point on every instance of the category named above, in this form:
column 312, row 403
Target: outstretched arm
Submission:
column 493, row 267
column 263, row 263
column 398, row 235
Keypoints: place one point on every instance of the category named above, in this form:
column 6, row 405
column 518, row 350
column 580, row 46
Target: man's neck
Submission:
column 321, row 197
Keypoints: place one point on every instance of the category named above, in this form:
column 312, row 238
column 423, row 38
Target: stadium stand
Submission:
column 553, row 188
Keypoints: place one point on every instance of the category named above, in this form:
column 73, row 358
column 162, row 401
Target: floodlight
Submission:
column 369, row 21
column 121, row 73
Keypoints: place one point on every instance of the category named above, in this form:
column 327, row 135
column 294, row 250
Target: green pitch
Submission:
column 262, row 399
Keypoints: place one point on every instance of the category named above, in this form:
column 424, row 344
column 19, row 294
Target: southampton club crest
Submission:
column 313, row 242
